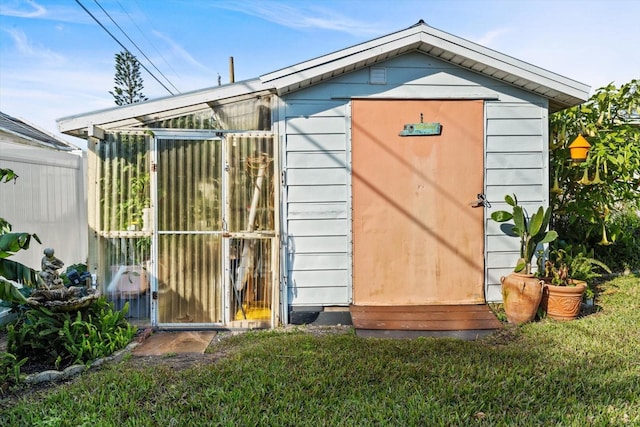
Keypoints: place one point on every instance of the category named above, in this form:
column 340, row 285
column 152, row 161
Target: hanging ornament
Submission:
column 579, row 148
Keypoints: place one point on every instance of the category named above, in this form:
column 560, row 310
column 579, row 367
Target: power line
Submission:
column 167, row 63
column 121, row 45
column 137, row 47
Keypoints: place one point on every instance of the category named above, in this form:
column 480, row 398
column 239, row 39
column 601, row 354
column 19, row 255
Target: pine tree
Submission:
column 129, row 85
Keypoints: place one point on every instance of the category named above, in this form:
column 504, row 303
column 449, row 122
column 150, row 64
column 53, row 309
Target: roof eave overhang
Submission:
column 162, row 108
column 561, row 92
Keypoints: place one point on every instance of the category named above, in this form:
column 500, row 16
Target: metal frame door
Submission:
column 238, row 197
column 188, row 248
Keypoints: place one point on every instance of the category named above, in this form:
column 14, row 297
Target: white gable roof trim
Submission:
column 562, row 92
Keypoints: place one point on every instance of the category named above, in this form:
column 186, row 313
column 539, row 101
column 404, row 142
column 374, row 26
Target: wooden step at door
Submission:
column 424, row 317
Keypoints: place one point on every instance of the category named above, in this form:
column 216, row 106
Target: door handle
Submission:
column 482, row 201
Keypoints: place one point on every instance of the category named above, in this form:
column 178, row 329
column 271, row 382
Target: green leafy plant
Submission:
column 131, row 210
column 10, row 370
column 566, row 263
column 624, row 227
column 584, row 196
column 531, row 231
column 70, row 337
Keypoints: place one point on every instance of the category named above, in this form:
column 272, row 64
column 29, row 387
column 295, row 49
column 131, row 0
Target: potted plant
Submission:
column 522, row 290
column 565, row 276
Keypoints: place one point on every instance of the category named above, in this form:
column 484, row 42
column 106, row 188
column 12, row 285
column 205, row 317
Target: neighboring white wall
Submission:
column 48, row 199
column 315, row 124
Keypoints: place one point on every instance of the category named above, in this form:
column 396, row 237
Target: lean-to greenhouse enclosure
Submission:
column 353, row 187
column 182, row 214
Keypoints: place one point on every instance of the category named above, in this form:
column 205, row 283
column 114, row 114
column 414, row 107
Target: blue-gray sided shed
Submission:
column 361, row 216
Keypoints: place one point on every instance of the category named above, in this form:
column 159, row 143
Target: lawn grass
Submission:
column 580, row 373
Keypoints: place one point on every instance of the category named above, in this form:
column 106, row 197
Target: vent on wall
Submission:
column 377, row 76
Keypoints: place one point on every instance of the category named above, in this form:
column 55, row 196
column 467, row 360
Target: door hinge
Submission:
column 154, row 295
column 154, row 167
column 283, row 177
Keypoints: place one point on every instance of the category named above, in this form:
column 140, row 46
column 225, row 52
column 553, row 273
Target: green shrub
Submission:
column 625, row 251
column 623, row 236
column 67, row 338
column 9, row 370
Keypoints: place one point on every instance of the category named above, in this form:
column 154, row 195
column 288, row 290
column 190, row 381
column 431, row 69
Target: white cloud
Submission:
column 302, row 16
column 29, row 50
column 180, row 51
column 22, row 9
column 488, row 39
column 29, row 9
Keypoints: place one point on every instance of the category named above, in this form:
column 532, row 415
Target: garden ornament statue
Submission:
column 53, row 293
column 50, row 265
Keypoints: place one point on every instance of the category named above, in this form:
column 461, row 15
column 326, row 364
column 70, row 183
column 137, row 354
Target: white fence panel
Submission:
column 48, row 199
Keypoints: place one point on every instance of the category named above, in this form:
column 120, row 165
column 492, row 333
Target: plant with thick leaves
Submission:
column 531, row 231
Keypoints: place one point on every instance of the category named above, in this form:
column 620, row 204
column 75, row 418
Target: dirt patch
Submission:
column 503, row 336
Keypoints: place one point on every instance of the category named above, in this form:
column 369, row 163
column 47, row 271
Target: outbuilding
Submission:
column 356, row 186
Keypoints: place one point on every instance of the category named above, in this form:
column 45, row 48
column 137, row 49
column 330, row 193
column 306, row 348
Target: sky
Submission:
column 57, row 61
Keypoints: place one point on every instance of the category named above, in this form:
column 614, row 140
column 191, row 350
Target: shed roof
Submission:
column 561, row 91
column 29, row 134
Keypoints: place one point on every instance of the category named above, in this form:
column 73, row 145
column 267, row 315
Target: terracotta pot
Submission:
column 521, row 295
column 563, row 302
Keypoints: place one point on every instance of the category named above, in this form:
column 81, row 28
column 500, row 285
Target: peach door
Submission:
column 416, row 237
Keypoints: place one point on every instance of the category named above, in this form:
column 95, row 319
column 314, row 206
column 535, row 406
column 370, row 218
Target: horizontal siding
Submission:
column 502, row 244
column 318, row 278
column 525, row 193
column 496, row 273
column 323, row 176
column 316, row 211
column 316, row 127
column 416, row 92
column 317, row 109
column 327, row 193
column 514, row 176
column 316, row 197
column 514, row 143
column 311, row 125
column 502, row 259
column 322, row 295
column 506, row 110
column 328, row 159
column 508, row 127
column 326, row 227
column 493, row 293
column 515, row 164
column 317, row 244
column 416, row 76
column 514, row 160
column 309, row 262
column 311, row 143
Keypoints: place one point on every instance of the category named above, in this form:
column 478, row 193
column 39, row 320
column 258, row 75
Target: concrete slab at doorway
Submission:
column 160, row 343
